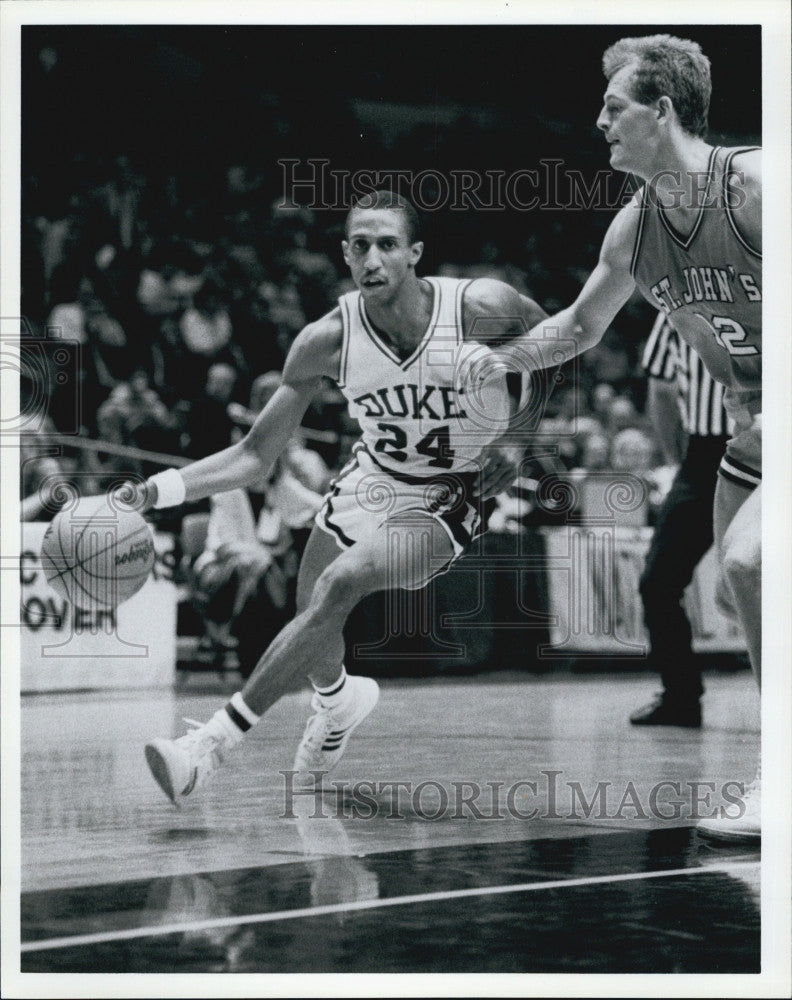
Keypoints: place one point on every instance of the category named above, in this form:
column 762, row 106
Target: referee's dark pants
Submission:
column 682, row 536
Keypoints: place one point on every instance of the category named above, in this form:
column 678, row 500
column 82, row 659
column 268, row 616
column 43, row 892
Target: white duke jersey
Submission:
column 416, row 417
column 708, row 284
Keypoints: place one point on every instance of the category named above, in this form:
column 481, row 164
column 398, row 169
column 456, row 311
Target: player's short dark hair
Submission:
column 392, row 200
column 666, row 66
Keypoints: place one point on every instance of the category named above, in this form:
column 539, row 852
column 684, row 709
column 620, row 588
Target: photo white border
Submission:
column 774, row 15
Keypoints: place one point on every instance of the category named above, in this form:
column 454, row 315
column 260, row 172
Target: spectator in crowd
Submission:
column 609, row 361
column 632, row 451
column 40, row 473
column 595, row 454
column 622, row 415
column 209, row 424
column 81, row 316
column 245, row 278
column 243, row 581
column 134, row 415
column 560, row 424
column 119, row 200
column 602, row 461
column 313, row 275
column 206, row 328
column 111, row 358
column 285, row 312
column 237, row 563
column 602, row 396
column 163, row 285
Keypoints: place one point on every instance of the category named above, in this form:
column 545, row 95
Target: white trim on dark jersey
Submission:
column 727, row 201
column 668, row 357
column 687, row 241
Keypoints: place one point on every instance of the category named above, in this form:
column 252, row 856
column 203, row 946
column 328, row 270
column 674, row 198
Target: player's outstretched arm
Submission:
column 314, row 353
column 493, row 314
column 558, row 338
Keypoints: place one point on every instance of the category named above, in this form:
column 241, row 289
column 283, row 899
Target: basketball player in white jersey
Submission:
column 690, row 241
column 406, row 505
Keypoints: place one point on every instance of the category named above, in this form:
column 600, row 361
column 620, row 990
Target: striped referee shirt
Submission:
column 700, row 397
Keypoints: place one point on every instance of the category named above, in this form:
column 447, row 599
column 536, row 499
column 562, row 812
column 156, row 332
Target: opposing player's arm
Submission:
column 314, row 353
column 558, row 338
column 494, row 313
column 745, row 189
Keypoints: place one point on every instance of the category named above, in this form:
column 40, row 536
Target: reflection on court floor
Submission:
column 513, row 824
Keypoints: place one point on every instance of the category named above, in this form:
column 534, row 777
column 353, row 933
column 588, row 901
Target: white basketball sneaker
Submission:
column 327, row 733
column 745, row 827
column 180, row 767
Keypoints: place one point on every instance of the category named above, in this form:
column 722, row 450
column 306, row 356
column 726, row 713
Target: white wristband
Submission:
column 171, row 490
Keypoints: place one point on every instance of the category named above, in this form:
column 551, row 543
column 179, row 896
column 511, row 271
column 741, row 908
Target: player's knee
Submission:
column 337, row 590
column 742, row 557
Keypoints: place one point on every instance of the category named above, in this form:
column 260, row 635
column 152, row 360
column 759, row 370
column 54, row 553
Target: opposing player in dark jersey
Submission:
column 690, row 241
column 407, row 504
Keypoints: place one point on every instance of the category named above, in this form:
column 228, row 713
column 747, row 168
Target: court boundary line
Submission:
column 162, row 930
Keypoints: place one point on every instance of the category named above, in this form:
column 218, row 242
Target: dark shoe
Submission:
column 664, row 711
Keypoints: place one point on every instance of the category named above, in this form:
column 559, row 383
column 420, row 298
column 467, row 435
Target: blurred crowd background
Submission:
column 157, row 234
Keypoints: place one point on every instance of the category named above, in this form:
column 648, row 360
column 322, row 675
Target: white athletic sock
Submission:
column 236, row 718
column 336, row 693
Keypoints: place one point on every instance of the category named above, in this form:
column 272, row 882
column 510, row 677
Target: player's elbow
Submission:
column 249, row 460
column 585, row 330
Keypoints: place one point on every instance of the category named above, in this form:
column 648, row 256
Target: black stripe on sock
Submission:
column 332, row 691
column 239, row 720
column 741, row 467
column 736, row 480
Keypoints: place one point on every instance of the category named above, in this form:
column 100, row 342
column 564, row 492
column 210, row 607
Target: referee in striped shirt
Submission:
column 684, row 402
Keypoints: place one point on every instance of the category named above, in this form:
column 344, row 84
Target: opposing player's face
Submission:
column 630, row 128
column 379, row 253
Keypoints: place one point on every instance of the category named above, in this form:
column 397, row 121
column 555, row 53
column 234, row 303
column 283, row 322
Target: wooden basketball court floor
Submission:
column 384, row 878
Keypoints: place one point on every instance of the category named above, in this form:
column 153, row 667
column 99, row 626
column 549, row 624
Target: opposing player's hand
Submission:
column 500, row 469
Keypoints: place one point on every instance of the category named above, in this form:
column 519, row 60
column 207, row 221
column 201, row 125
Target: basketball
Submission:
column 97, row 554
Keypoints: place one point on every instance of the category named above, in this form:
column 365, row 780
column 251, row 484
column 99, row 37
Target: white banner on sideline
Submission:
column 595, row 605
column 65, row 648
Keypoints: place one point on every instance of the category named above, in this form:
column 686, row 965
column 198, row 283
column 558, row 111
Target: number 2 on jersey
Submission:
column 730, row 334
